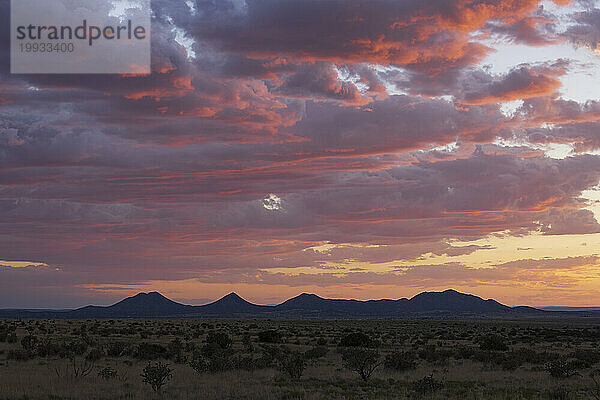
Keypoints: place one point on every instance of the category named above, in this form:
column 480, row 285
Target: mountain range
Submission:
column 448, row 303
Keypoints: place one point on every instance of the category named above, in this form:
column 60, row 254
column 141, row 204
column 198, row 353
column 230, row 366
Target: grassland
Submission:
column 257, row 359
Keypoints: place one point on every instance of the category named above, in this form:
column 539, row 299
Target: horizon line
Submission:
column 182, row 301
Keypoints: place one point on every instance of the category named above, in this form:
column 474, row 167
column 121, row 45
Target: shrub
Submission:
column 426, row 385
column 510, row 363
column 292, row 362
column 150, row 351
column 247, row 362
column 156, row 375
column 269, row 355
column 29, row 342
column 400, row 361
column 220, row 339
column 316, row 352
column 212, row 359
column 560, row 369
column 432, row 354
column 363, row 361
column 493, row 343
column 95, row 354
column 269, row 336
column 117, row 349
column 175, row 350
column 77, row 367
column 358, row 339
column 247, row 344
column 11, row 338
column 72, row 348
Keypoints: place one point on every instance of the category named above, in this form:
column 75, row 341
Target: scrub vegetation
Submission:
column 268, row 359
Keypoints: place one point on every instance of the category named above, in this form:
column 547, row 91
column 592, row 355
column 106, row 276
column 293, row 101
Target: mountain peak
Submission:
column 146, row 299
column 146, row 304
column 303, row 301
column 308, row 296
column 149, row 295
column 231, row 303
column 451, row 300
column 305, row 305
column 232, row 297
column 452, row 291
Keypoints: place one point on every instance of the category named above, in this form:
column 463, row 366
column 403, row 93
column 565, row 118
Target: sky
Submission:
column 349, row 148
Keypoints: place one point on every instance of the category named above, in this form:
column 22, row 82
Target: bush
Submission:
column 72, row 348
column 363, row 361
column 11, row 338
column 269, row 336
column 316, row 352
column 426, row 385
column 117, row 349
column 95, row 354
column 560, row 369
column 175, row 350
column 493, row 343
column 150, row 351
column 247, row 362
column 358, row 339
column 292, row 362
column 431, row 353
column 156, row 375
column 400, row 361
column 220, row 339
column 510, row 363
column 212, row 359
column 269, row 355
column 29, row 342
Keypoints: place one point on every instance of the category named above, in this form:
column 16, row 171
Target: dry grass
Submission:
column 463, row 378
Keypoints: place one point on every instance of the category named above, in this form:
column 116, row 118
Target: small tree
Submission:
column 362, row 361
column 157, row 375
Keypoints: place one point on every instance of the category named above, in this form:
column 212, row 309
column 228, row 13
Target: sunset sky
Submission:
column 351, row 148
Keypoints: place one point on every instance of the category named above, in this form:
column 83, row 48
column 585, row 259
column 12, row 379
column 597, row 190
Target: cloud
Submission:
column 368, row 126
column 586, row 28
column 523, row 82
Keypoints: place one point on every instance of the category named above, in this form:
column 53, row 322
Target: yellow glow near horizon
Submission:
column 22, row 264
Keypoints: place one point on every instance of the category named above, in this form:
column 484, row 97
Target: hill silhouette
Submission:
column 151, row 304
column 446, row 304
